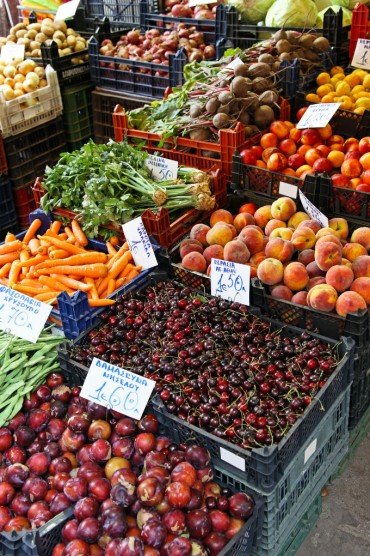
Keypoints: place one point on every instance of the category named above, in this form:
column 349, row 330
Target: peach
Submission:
column 353, row 250
column 351, row 168
column 220, row 235
column 361, row 266
column 236, row 251
column 283, row 208
column 312, row 282
column 327, row 232
column 300, row 298
column 339, row 225
column 349, row 302
column 189, row 245
column 303, row 239
column 194, row 261
column 221, row 215
column 270, row 271
column 346, row 262
column 281, row 292
column 230, row 226
column 295, row 276
column 253, row 270
column 252, row 238
column 327, row 254
column 257, row 258
column 322, row 297
column 313, row 270
column 243, row 219
column 362, row 287
column 263, row 215
column 273, row 224
column 362, row 236
column 297, row 218
column 328, row 237
column 312, row 224
column 340, row 277
column 306, row 256
column 283, row 233
column 213, row 252
column 199, row 232
column 279, row 249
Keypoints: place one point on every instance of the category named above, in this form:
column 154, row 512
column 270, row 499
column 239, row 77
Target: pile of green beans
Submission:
column 23, row 367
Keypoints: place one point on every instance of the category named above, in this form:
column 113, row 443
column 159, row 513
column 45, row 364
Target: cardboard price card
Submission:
column 117, row 388
column 162, row 168
column 12, row 53
column 361, row 56
column 22, row 315
column 67, row 10
column 139, row 243
column 318, row 115
column 312, row 211
column 230, row 281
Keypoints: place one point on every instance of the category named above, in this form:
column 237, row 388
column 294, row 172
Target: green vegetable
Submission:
column 23, row 367
column 251, row 11
column 347, row 15
column 292, row 13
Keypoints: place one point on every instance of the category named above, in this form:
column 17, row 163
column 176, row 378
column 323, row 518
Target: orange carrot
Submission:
column 71, row 282
column 126, row 270
column 33, row 261
column 14, row 273
column 34, row 245
column 93, row 292
column 55, row 226
column 29, row 290
column 9, row 257
column 4, row 281
column 89, row 257
column 120, row 282
column 111, row 249
column 50, row 297
column 10, row 247
column 34, row 226
column 24, row 255
column 53, row 284
column 94, row 270
column 64, row 245
column 63, row 236
column 42, row 250
column 10, row 237
column 31, row 282
column 100, row 302
column 131, row 275
column 79, row 234
column 5, row 270
column 70, row 234
column 115, row 257
column 111, row 286
column 58, row 254
column 114, row 240
column 120, row 264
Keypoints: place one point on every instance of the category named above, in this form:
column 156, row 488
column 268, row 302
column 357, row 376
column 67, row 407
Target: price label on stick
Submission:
column 361, row 57
column 12, row 53
column 139, row 243
column 318, row 115
column 22, row 315
column 67, row 11
column 161, row 168
column 312, row 211
column 230, row 281
column 288, row 190
column 117, row 389
column 235, row 64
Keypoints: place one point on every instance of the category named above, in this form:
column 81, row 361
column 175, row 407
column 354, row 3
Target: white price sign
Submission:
column 161, row 168
column 288, row 189
column 117, row 389
column 67, row 11
column 193, row 3
column 235, row 63
column 361, row 56
column 230, row 281
column 139, row 244
column 22, row 315
column 12, row 53
column 233, row 459
column 312, row 211
column 318, row 115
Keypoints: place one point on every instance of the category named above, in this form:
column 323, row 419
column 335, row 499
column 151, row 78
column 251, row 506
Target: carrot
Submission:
column 120, row 282
column 42, row 250
column 115, row 257
column 64, row 245
column 120, row 264
column 89, row 257
column 29, row 290
column 9, row 257
column 114, row 240
column 131, row 275
column 55, row 226
column 10, row 237
column 50, row 297
column 111, row 249
column 14, row 273
column 111, row 286
column 34, row 245
column 58, row 254
column 24, row 255
column 63, row 236
column 79, row 234
column 72, row 283
column 34, row 226
column 100, row 302
column 10, row 247
column 5, row 269
column 126, row 270
column 93, row 270
column 31, row 282
column 4, row 281
column 53, row 284
column 93, row 291
column 69, row 233
column 33, row 261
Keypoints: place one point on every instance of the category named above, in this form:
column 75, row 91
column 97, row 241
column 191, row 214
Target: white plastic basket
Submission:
column 16, row 117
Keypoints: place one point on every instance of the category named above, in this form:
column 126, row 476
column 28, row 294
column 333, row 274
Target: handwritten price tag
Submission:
column 361, row 57
column 312, row 211
column 139, row 243
column 193, row 3
column 230, row 281
column 22, row 315
column 67, row 11
column 12, row 53
column 288, row 189
column 162, row 168
column 318, row 115
column 117, row 388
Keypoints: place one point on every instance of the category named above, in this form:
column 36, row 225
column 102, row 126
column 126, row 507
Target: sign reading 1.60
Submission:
column 230, row 281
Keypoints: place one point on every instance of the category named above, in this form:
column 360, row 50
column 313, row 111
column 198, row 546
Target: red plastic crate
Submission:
column 24, row 203
column 359, row 28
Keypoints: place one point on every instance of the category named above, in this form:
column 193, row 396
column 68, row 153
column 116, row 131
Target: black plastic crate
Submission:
column 120, row 13
column 68, row 72
column 7, row 207
column 103, row 104
column 77, row 114
column 124, row 75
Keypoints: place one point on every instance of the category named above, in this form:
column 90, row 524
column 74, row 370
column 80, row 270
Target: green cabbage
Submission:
column 292, row 13
column 347, row 16
column 323, row 4
column 251, row 11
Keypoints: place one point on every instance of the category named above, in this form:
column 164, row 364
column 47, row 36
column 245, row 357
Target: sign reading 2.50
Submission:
column 230, row 281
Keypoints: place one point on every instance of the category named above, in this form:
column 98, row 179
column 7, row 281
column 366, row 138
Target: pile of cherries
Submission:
column 216, row 365
column 134, row 492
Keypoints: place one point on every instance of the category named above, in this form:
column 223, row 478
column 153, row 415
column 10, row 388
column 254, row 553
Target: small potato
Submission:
column 71, row 32
column 65, row 51
column 71, row 40
column 36, row 53
column 21, row 33
column 59, row 35
column 48, row 31
column 42, row 83
column 48, row 21
column 79, row 46
column 31, row 34
column 58, row 43
column 35, row 26
column 34, row 45
column 60, row 25
column 40, row 37
column 11, row 38
column 24, row 41
column 2, row 79
column 9, row 81
column 18, row 27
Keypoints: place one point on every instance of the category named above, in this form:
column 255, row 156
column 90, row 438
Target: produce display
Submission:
column 181, row 8
column 131, row 487
column 19, row 78
column 216, row 365
column 32, row 35
column 110, row 184
column 42, row 266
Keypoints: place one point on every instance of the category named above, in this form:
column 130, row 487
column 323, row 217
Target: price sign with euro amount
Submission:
column 361, row 56
column 22, row 315
column 318, row 115
column 67, row 10
column 139, row 243
column 312, row 211
column 161, row 168
column 117, row 388
column 230, row 281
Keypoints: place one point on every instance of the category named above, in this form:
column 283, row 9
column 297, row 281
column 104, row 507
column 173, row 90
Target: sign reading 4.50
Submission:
column 230, row 281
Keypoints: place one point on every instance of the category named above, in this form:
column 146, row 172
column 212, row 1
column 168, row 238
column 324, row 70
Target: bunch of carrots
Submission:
column 42, row 266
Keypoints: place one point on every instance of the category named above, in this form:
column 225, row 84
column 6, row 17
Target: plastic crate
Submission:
column 67, row 71
column 17, row 116
column 24, row 203
column 77, row 114
column 360, row 26
column 122, row 13
column 38, row 542
column 103, row 104
column 189, row 151
column 3, row 162
column 7, row 206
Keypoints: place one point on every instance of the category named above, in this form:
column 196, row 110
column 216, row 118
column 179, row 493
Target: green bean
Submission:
column 5, row 415
column 13, row 388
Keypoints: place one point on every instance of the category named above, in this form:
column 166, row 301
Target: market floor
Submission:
column 343, row 529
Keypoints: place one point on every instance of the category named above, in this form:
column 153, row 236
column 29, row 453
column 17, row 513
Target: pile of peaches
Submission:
column 325, row 268
column 298, row 152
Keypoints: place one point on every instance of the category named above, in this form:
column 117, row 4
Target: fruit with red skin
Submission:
column 69, row 531
column 364, row 145
column 75, row 488
column 154, row 533
column 241, row 505
column 296, row 160
column 17, row 474
column 76, row 547
column 53, row 450
column 79, row 423
column 84, row 454
column 35, row 488
column 60, row 465
column 96, row 411
column 99, row 488
column 18, row 523
column 14, row 454
column 150, row 491
column 155, row 459
column 101, row 450
column 174, row 521
column 198, row 456
column 43, row 392
column 123, row 476
column 7, row 493
column 58, row 480
column 32, row 402
column 18, row 420
column 86, row 507
column 6, row 439
column 24, row 436
column 178, row 494
column 322, row 165
column 248, row 157
column 180, row 546
column 159, row 473
column 184, row 472
column 149, row 423
column 310, row 136
column 145, row 442
column 38, row 463
column 99, row 429
column 199, row 524
column 37, row 419
column 220, row 521
column 62, row 393
column 59, row 503
column 57, row 409
column 5, row 516
column 58, row 549
column 123, row 495
column 20, row 504
column 72, row 441
column 215, row 542
column 126, row 427
column 89, row 530
column 41, row 519
column 114, row 522
column 54, row 379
